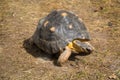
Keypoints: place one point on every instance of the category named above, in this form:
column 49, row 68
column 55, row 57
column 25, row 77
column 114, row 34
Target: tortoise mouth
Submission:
column 81, row 40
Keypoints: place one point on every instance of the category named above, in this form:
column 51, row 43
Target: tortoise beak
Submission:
column 84, row 47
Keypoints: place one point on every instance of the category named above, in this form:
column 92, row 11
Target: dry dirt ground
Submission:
column 20, row 61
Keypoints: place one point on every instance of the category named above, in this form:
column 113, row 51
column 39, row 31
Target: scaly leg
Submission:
column 64, row 56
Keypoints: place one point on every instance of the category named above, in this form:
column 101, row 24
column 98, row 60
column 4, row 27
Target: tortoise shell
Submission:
column 57, row 29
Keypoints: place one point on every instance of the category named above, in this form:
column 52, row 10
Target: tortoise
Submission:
column 62, row 32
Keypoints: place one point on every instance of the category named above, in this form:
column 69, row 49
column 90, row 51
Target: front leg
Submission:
column 64, row 56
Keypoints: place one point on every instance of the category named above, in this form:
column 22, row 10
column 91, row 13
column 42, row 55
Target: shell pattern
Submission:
column 57, row 29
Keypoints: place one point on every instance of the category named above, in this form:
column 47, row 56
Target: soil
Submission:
column 20, row 61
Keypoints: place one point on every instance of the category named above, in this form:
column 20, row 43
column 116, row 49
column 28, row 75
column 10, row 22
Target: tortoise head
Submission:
column 79, row 46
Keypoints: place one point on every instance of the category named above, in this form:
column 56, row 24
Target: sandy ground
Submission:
column 20, row 61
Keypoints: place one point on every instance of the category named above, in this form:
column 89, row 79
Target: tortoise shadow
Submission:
column 73, row 56
column 33, row 50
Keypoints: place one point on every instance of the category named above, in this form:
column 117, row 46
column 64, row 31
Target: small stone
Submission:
column 95, row 10
column 113, row 76
column 21, row 18
column 110, row 24
column 100, row 8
